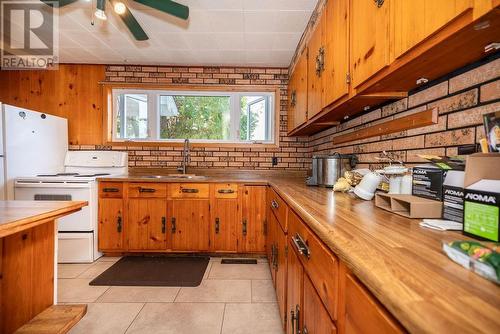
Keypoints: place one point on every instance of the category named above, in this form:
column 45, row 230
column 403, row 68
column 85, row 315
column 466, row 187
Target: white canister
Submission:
column 406, row 184
column 395, row 184
column 368, row 185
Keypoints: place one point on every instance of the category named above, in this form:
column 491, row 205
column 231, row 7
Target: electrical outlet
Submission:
column 275, row 161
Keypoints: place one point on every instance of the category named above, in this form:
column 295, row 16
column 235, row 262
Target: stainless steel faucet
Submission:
column 186, row 157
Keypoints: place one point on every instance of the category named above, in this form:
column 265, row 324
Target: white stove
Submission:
column 77, row 233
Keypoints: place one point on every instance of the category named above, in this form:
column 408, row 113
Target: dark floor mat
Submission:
column 154, row 271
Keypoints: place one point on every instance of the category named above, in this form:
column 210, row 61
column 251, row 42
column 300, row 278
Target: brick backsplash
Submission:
column 292, row 153
column 461, row 101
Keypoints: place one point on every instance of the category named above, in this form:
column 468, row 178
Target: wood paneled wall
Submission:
column 72, row 92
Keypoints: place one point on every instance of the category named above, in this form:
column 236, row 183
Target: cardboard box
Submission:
column 428, row 182
column 409, row 206
column 482, row 196
column 453, row 196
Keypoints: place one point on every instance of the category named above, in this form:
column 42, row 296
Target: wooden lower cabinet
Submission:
column 147, row 224
column 278, row 264
column 295, row 281
column 319, row 262
column 316, row 319
column 223, row 225
column 363, row 313
column 111, row 224
column 251, row 234
column 306, row 311
column 189, row 225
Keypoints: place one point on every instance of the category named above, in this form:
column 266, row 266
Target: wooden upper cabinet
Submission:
column 336, row 51
column 314, row 73
column 189, row 225
column 147, row 224
column 370, row 38
column 414, row 21
column 111, row 224
column 297, row 93
column 251, row 234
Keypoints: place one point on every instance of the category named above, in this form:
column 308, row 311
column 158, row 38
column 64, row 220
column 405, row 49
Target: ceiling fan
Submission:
column 119, row 7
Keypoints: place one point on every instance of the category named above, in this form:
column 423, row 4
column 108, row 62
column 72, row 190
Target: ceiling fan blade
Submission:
column 62, row 3
column 167, row 6
column 134, row 26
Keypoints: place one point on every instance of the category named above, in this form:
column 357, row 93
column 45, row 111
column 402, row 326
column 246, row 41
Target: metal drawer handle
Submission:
column 275, row 204
column 276, row 256
column 119, row 224
column 190, row 190
column 244, row 227
column 225, row 191
column 301, row 246
column 173, row 224
column 297, row 318
column 110, row 190
column 163, row 225
column 217, row 225
column 146, row 190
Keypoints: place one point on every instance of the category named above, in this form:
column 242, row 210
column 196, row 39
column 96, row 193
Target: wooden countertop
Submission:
column 401, row 263
column 16, row 216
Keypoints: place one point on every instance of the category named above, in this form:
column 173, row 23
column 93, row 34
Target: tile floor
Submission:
column 232, row 299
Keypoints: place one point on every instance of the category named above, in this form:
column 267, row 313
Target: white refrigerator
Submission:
column 31, row 143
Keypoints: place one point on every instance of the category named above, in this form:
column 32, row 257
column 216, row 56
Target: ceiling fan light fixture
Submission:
column 100, row 8
column 119, row 8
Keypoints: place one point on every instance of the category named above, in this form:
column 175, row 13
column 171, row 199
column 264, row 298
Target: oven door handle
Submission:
column 21, row 184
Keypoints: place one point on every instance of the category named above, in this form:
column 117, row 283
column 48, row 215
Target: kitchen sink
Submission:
column 176, row 176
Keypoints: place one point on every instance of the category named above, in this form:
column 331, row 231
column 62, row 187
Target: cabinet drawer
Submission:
column 189, row 190
column 279, row 207
column 363, row 312
column 147, row 190
column 319, row 263
column 110, row 189
column 226, row 190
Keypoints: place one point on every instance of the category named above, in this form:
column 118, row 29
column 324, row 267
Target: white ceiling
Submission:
column 218, row 32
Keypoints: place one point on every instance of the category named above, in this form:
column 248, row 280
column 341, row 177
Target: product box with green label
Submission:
column 482, row 196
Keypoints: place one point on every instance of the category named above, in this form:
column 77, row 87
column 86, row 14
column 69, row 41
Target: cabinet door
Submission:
column 336, row 48
column 281, row 272
column 292, row 99
column 314, row 80
column 273, row 238
column 270, row 233
column 363, row 314
column 223, row 225
column 297, row 109
column 370, row 38
column 295, row 278
column 110, row 224
column 251, row 231
column 147, row 220
column 316, row 317
column 414, row 21
column 189, row 225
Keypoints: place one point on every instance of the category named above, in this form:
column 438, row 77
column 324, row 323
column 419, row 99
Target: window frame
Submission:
column 110, row 90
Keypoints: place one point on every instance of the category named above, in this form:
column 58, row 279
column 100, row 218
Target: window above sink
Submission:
column 220, row 115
